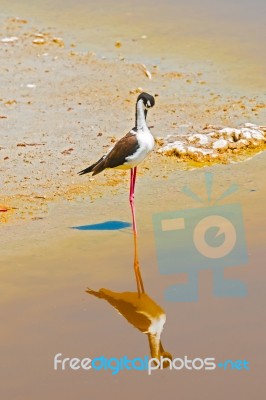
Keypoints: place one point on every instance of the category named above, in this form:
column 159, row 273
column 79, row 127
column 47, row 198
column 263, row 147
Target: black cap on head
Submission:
column 148, row 99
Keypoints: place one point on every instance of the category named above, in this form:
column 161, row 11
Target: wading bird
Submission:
column 127, row 153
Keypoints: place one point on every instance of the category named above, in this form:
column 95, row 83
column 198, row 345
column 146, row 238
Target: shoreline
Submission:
column 57, row 104
column 206, row 37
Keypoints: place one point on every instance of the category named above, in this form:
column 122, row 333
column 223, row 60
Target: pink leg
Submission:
column 133, row 175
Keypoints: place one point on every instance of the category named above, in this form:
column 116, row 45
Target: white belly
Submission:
column 146, row 144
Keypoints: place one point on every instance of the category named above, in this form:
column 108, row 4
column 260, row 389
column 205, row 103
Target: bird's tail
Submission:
column 99, row 167
column 86, row 170
column 92, row 168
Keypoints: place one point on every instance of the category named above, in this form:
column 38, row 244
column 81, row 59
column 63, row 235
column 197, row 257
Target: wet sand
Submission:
column 56, row 108
column 57, row 104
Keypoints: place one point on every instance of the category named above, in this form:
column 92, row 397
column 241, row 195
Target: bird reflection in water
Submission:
column 140, row 311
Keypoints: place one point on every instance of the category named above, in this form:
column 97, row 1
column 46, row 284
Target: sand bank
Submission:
column 60, row 109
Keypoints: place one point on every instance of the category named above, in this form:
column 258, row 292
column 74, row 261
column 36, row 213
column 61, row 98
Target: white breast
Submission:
column 157, row 324
column 146, row 144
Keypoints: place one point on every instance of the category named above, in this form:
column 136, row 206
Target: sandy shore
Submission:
column 60, row 109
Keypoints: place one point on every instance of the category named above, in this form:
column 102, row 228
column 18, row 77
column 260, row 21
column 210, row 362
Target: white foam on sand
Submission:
column 215, row 144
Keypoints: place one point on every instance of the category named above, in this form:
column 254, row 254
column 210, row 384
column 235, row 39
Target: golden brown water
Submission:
column 46, row 310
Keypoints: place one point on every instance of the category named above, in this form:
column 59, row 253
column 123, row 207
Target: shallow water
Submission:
column 46, row 310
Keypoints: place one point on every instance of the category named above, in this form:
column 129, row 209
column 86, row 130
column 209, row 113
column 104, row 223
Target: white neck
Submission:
column 140, row 115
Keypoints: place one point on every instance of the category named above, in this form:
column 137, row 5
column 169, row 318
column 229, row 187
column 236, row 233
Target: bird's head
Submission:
column 148, row 100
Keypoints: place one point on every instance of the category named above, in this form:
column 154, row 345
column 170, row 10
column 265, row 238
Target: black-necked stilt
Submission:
column 127, row 153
